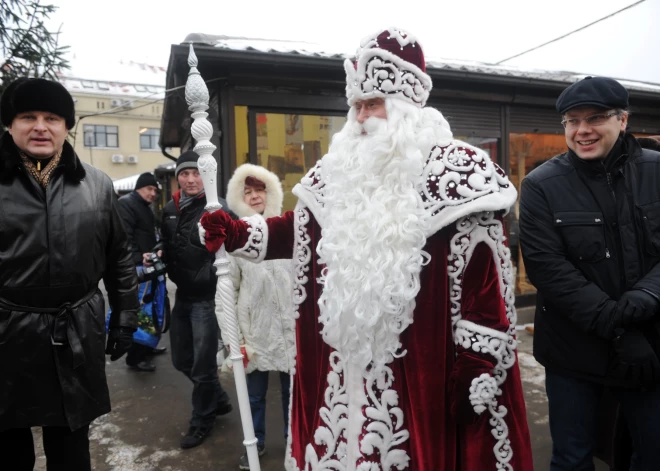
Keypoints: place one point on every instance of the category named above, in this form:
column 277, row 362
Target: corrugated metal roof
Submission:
column 269, row 46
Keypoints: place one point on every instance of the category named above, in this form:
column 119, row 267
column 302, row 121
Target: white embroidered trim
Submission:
column 334, row 416
column 483, row 392
column 382, row 74
column 301, row 256
column 343, row 420
column 254, row 249
column 460, row 180
column 378, row 72
column 471, row 230
column 384, row 424
column 290, row 463
column 310, row 192
column 485, row 340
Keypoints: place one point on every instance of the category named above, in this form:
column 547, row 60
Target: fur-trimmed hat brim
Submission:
column 236, row 186
column 35, row 94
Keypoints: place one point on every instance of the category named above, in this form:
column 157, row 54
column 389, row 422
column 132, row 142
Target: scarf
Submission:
column 187, row 200
column 41, row 176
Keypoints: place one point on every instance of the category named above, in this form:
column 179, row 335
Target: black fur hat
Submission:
column 35, row 94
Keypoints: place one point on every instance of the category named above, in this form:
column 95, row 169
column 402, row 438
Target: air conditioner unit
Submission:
column 119, row 103
column 117, row 158
column 132, row 159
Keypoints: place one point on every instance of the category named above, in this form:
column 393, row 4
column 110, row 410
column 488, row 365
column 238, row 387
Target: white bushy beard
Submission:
column 374, row 229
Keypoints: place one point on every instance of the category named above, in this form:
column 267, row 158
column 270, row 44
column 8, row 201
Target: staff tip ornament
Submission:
column 197, row 93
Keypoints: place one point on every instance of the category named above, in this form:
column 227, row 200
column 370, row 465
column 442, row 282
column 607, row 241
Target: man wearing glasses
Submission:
column 590, row 237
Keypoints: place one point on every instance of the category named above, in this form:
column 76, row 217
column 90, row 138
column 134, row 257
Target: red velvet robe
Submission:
column 454, row 401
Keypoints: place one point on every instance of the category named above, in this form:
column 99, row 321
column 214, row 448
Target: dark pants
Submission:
column 257, row 385
column 194, row 341
column 137, row 353
column 65, row 450
column 574, row 422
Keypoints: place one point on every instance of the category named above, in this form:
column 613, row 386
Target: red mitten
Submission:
column 216, row 225
column 469, row 367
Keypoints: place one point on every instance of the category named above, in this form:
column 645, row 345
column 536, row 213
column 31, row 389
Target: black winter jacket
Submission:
column 189, row 264
column 588, row 234
column 140, row 224
column 55, row 247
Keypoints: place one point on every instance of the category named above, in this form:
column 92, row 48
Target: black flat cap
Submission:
column 593, row 91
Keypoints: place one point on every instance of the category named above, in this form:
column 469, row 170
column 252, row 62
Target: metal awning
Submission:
column 126, row 183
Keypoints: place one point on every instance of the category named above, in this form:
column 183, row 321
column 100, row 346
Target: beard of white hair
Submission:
column 374, row 231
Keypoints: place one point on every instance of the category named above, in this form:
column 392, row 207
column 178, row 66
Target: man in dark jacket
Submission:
column 140, row 224
column 60, row 234
column 194, row 328
column 590, row 236
column 137, row 216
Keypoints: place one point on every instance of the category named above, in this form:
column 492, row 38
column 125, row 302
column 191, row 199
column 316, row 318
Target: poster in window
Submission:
column 262, row 131
column 294, row 130
column 312, row 153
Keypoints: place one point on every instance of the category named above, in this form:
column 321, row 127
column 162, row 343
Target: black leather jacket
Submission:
column 55, row 247
column 588, row 234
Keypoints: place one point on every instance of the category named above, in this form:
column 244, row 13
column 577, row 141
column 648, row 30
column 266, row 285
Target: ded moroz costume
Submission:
column 405, row 334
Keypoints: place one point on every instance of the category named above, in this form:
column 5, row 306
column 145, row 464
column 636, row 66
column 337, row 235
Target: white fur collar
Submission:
column 236, row 186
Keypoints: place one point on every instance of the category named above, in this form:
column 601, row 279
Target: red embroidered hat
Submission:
column 388, row 64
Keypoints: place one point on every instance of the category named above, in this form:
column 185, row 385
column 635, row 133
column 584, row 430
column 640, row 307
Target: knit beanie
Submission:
column 146, row 179
column 186, row 160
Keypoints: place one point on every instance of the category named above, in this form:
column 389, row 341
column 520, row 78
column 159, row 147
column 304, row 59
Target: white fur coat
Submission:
column 263, row 291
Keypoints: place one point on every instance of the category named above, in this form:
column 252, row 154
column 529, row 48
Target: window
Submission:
column 291, row 144
column 488, row 144
column 101, row 136
column 526, row 152
column 149, row 138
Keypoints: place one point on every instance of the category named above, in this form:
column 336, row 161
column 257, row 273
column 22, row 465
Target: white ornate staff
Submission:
column 197, row 97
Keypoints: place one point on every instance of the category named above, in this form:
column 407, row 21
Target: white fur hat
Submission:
column 236, row 186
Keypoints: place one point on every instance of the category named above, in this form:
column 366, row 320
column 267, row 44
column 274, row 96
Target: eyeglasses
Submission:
column 593, row 120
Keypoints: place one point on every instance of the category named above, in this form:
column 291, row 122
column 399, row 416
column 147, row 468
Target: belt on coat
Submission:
column 64, row 329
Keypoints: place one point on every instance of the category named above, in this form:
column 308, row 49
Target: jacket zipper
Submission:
column 609, row 185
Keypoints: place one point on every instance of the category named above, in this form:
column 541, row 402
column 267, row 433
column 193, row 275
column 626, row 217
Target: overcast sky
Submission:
column 625, row 46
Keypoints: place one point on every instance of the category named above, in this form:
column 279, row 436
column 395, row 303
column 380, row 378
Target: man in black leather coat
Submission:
column 60, row 234
column 590, row 237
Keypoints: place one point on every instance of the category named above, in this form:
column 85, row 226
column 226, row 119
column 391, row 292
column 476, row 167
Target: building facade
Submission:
column 118, row 120
column 277, row 104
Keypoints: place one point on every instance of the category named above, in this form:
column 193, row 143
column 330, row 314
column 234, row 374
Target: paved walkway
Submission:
column 151, row 411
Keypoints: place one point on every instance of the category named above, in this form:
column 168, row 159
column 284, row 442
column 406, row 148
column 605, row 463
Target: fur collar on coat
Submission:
column 237, row 184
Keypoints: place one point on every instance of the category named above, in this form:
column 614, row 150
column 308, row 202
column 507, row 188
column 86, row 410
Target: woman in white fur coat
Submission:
column 264, row 304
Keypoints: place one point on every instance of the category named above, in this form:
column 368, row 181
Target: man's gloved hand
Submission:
column 119, row 341
column 216, row 226
column 636, row 306
column 635, row 360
